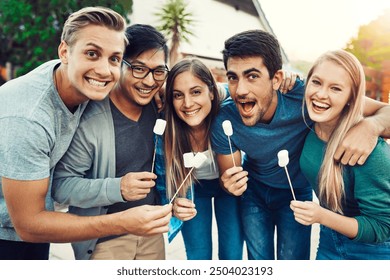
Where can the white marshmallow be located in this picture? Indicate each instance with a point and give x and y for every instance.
(283, 158)
(159, 127)
(188, 160)
(227, 127)
(199, 159)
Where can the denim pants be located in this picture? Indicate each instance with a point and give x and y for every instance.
(335, 246)
(197, 232)
(264, 209)
(20, 250)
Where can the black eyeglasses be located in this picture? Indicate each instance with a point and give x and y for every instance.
(140, 71)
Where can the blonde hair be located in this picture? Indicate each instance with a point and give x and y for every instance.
(177, 134)
(92, 15)
(330, 177)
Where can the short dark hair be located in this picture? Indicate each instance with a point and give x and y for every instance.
(143, 37)
(255, 43)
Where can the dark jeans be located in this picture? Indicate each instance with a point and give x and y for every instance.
(197, 232)
(19, 250)
(263, 210)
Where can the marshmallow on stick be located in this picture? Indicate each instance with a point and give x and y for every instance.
(283, 160)
(158, 129)
(194, 162)
(159, 126)
(188, 160)
(228, 130)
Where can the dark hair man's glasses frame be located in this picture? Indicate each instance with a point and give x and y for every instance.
(141, 71)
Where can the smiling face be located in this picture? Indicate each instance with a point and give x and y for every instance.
(191, 99)
(251, 88)
(139, 91)
(327, 93)
(92, 63)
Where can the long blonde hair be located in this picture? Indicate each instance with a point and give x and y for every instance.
(330, 177)
(177, 134)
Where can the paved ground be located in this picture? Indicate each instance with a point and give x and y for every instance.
(174, 250)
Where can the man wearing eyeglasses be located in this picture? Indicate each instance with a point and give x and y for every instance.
(107, 168)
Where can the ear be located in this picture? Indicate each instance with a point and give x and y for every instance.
(277, 79)
(63, 50)
(211, 95)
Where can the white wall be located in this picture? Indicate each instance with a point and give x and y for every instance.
(215, 22)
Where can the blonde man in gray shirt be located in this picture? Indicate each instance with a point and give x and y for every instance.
(40, 113)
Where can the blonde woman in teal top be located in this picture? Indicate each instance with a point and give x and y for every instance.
(354, 210)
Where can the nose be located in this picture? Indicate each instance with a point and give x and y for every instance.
(241, 88)
(188, 102)
(103, 69)
(322, 93)
(149, 80)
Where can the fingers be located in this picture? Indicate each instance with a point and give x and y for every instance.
(286, 82)
(350, 156)
(146, 220)
(362, 159)
(184, 209)
(160, 219)
(235, 180)
(357, 145)
(304, 212)
(294, 77)
(137, 185)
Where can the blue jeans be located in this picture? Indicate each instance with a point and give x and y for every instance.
(263, 210)
(197, 232)
(335, 246)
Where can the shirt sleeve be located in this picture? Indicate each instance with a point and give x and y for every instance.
(372, 192)
(25, 149)
(74, 183)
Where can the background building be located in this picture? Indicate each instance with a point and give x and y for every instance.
(215, 21)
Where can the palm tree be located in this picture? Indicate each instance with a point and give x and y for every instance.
(175, 24)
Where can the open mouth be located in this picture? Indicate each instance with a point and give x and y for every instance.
(319, 106)
(96, 83)
(246, 107)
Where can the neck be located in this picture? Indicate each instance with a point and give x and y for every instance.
(323, 131)
(66, 92)
(268, 116)
(127, 107)
(198, 138)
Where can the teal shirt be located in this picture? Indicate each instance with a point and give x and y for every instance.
(367, 188)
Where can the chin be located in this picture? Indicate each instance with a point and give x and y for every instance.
(98, 97)
(249, 122)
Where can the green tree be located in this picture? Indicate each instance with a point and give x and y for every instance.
(372, 44)
(176, 22)
(30, 31)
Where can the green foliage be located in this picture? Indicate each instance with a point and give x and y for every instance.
(175, 24)
(174, 18)
(30, 31)
(372, 44)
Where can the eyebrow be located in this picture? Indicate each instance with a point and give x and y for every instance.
(339, 84)
(251, 70)
(144, 64)
(245, 72)
(101, 49)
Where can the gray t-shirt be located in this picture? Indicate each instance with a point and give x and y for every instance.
(36, 130)
(134, 149)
